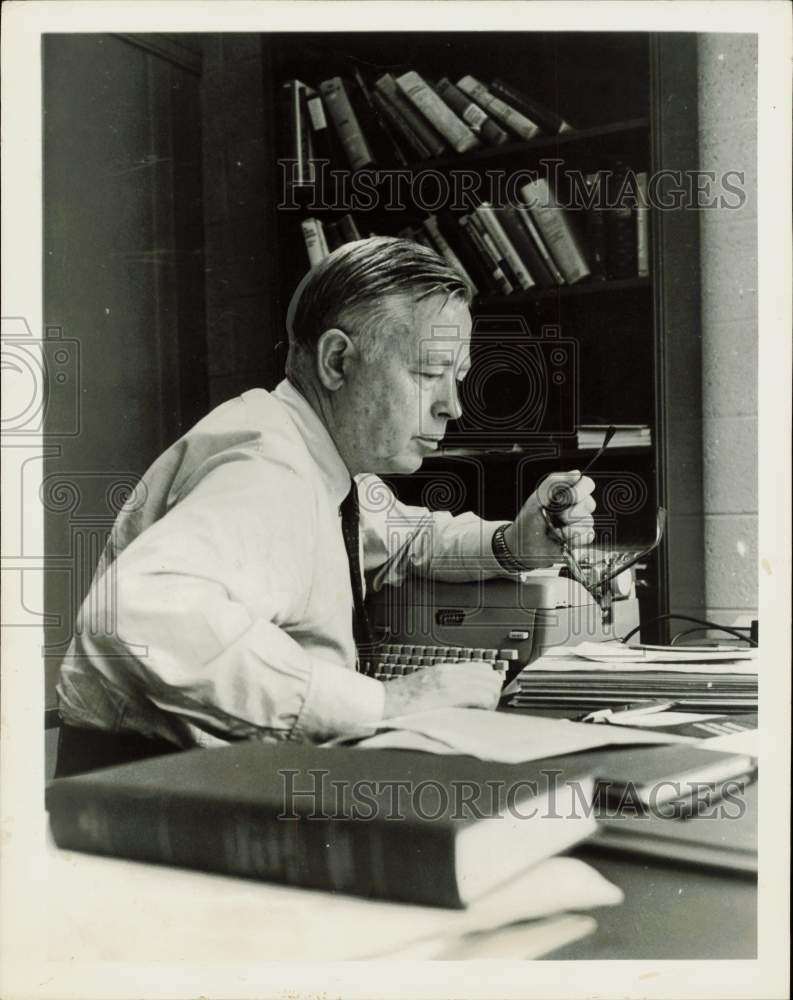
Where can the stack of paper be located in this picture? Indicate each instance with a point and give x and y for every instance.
(610, 674)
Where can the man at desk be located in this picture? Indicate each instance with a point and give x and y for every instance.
(233, 570)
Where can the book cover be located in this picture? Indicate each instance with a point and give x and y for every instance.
(524, 245)
(348, 228)
(443, 247)
(296, 144)
(325, 143)
(399, 126)
(538, 242)
(333, 236)
(387, 86)
(480, 123)
(314, 237)
(387, 149)
(549, 121)
(621, 228)
(498, 283)
(508, 282)
(556, 230)
(596, 228)
(374, 823)
(642, 227)
(522, 126)
(492, 224)
(450, 227)
(346, 124)
(454, 130)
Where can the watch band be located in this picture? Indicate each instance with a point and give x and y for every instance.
(501, 551)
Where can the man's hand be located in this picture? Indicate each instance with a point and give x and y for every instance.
(460, 685)
(568, 499)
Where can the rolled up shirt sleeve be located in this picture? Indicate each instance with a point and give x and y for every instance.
(209, 617)
(400, 539)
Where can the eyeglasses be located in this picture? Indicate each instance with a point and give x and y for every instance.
(596, 575)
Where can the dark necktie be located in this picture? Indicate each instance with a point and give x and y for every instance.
(361, 629)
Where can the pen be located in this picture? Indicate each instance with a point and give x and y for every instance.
(635, 708)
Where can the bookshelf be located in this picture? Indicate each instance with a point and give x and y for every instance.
(631, 99)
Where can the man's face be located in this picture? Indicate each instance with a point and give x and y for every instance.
(398, 401)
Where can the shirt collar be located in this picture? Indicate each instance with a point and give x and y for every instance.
(318, 441)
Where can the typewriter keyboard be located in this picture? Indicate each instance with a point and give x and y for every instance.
(398, 660)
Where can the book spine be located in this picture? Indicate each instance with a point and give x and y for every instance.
(517, 235)
(642, 227)
(417, 236)
(362, 858)
(392, 148)
(400, 126)
(461, 244)
(314, 236)
(293, 94)
(556, 230)
(387, 86)
(348, 229)
(320, 128)
(488, 251)
(456, 132)
(534, 235)
(480, 123)
(492, 224)
(621, 233)
(333, 236)
(346, 123)
(596, 229)
(443, 247)
(547, 119)
(523, 127)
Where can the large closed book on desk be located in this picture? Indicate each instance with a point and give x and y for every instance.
(390, 824)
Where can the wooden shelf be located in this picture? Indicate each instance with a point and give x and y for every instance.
(501, 454)
(563, 142)
(583, 288)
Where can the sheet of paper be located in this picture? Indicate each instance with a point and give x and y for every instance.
(651, 720)
(606, 652)
(748, 743)
(501, 736)
(558, 663)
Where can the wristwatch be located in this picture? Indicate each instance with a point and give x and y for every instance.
(501, 551)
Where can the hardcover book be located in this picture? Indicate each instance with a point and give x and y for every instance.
(416, 827)
(345, 121)
(556, 230)
(477, 120)
(549, 121)
(386, 85)
(454, 130)
(492, 223)
(522, 126)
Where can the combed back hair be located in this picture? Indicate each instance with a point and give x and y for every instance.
(348, 287)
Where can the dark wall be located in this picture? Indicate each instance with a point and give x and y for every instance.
(123, 287)
(240, 235)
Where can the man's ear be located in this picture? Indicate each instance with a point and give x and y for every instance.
(335, 350)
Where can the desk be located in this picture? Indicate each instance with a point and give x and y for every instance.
(670, 912)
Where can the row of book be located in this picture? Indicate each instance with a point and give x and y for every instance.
(531, 244)
(404, 119)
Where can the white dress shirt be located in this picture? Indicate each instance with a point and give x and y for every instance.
(221, 607)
